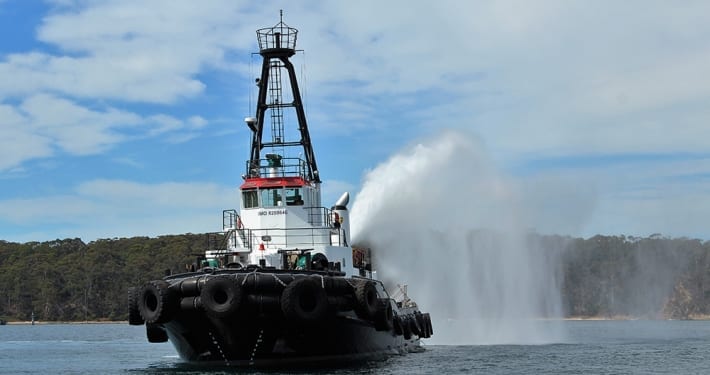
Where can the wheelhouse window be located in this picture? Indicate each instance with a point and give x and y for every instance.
(271, 197)
(250, 199)
(294, 197)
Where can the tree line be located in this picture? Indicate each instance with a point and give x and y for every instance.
(69, 280)
(602, 276)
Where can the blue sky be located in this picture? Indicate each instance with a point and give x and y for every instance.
(124, 118)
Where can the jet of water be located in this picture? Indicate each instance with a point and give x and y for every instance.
(439, 217)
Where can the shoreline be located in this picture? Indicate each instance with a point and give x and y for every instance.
(569, 318)
(44, 323)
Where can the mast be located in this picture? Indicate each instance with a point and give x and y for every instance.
(276, 45)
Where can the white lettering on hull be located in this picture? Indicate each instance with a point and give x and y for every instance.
(273, 212)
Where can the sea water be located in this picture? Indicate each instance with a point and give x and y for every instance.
(591, 347)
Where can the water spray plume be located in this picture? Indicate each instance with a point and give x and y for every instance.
(440, 218)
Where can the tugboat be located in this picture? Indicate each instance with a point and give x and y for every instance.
(281, 283)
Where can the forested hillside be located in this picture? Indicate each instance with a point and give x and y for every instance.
(69, 280)
(603, 276)
(651, 277)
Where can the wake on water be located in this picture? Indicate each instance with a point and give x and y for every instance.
(440, 218)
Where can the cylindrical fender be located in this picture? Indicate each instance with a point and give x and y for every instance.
(191, 303)
(191, 287)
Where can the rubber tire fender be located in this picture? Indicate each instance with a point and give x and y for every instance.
(134, 313)
(304, 300)
(397, 325)
(221, 296)
(366, 301)
(421, 322)
(406, 328)
(415, 327)
(156, 302)
(429, 326)
(384, 315)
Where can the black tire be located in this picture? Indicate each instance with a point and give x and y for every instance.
(406, 328)
(421, 322)
(338, 286)
(155, 333)
(305, 301)
(366, 301)
(415, 327)
(221, 296)
(430, 327)
(156, 302)
(397, 326)
(384, 315)
(134, 313)
(319, 262)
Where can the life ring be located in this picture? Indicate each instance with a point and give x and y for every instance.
(155, 333)
(384, 315)
(304, 300)
(134, 313)
(221, 297)
(366, 300)
(156, 302)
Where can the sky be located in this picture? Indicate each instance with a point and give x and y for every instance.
(125, 118)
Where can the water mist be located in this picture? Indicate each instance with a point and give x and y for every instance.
(441, 219)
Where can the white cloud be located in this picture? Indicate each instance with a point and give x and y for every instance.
(42, 124)
(127, 50)
(17, 142)
(533, 79)
(75, 129)
(508, 68)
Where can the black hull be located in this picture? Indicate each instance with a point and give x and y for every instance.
(262, 330)
(269, 342)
